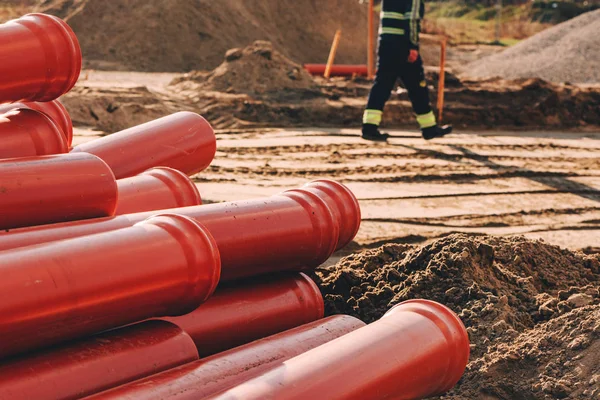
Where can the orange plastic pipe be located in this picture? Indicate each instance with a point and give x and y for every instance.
(332, 52)
(53, 109)
(53, 293)
(442, 80)
(25, 133)
(210, 375)
(41, 59)
(337, 70)
(293, 230)
(418, 349)
(184, 141)
(97, 363)
(370, 41)
(158, 188)
(49, 189)
(251, 310)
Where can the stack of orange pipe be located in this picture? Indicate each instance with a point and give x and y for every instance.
(110, 263)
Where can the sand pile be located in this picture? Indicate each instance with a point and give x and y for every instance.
(528, 307)
(568, 52)
(185, 35)
(256, 70)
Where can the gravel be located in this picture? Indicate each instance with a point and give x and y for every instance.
(568, 52)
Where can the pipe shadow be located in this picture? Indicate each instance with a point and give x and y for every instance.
(556, 182)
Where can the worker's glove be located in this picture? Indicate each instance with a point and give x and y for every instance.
(413, 55)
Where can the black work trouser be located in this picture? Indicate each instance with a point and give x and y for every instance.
(392, 63)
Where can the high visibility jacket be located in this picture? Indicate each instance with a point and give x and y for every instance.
(403, 18)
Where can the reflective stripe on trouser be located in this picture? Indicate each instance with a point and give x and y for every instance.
(372, 117)
(391, 31)
(395, 15)
(426, 120)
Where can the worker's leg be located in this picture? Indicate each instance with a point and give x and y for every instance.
(413, 77)
(388, 64)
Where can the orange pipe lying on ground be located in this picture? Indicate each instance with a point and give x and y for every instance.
(294, 230)
(184, 141)
(224, 370)
(97, 363)
(53, 109)
(41, 59)
(251, 310)
(57, 292)
(337, 70)
(158, 188)
(26, 133)
(417, 349)
(49, 189)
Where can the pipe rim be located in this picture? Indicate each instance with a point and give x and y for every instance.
(46, 136)
(57, 113)
(185, 191)
(200, 250)
(347, 208)
(313, 295)
(323, 220)
(455, 333)
(70, 46)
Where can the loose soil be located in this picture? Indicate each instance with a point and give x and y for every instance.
(568, 52)
(532, 310)
(257, 70)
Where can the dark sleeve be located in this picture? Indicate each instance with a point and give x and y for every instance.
(413, 34)
(417, 9)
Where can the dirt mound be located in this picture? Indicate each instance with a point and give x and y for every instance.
(557, 359)
(185, 35)
(509, 292)
(112, 110)
(568, 52)
(256, 70)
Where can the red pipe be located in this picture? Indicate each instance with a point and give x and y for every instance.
(97, 363)
(251, 310)
(53, 293)
(49, 189)
(337, 70)
(184, 141)
(41, 59)
(53, 109)
(297, 229)
(28, 133)
(158, 188)
(210, 375)
(418, 349)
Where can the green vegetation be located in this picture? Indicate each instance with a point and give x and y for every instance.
(468, 21)
(546, 11)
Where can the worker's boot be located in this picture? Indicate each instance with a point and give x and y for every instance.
(371, 132)
(436, 131)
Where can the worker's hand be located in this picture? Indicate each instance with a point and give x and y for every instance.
(413, 55)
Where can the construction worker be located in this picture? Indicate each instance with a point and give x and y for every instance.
(398, 57)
